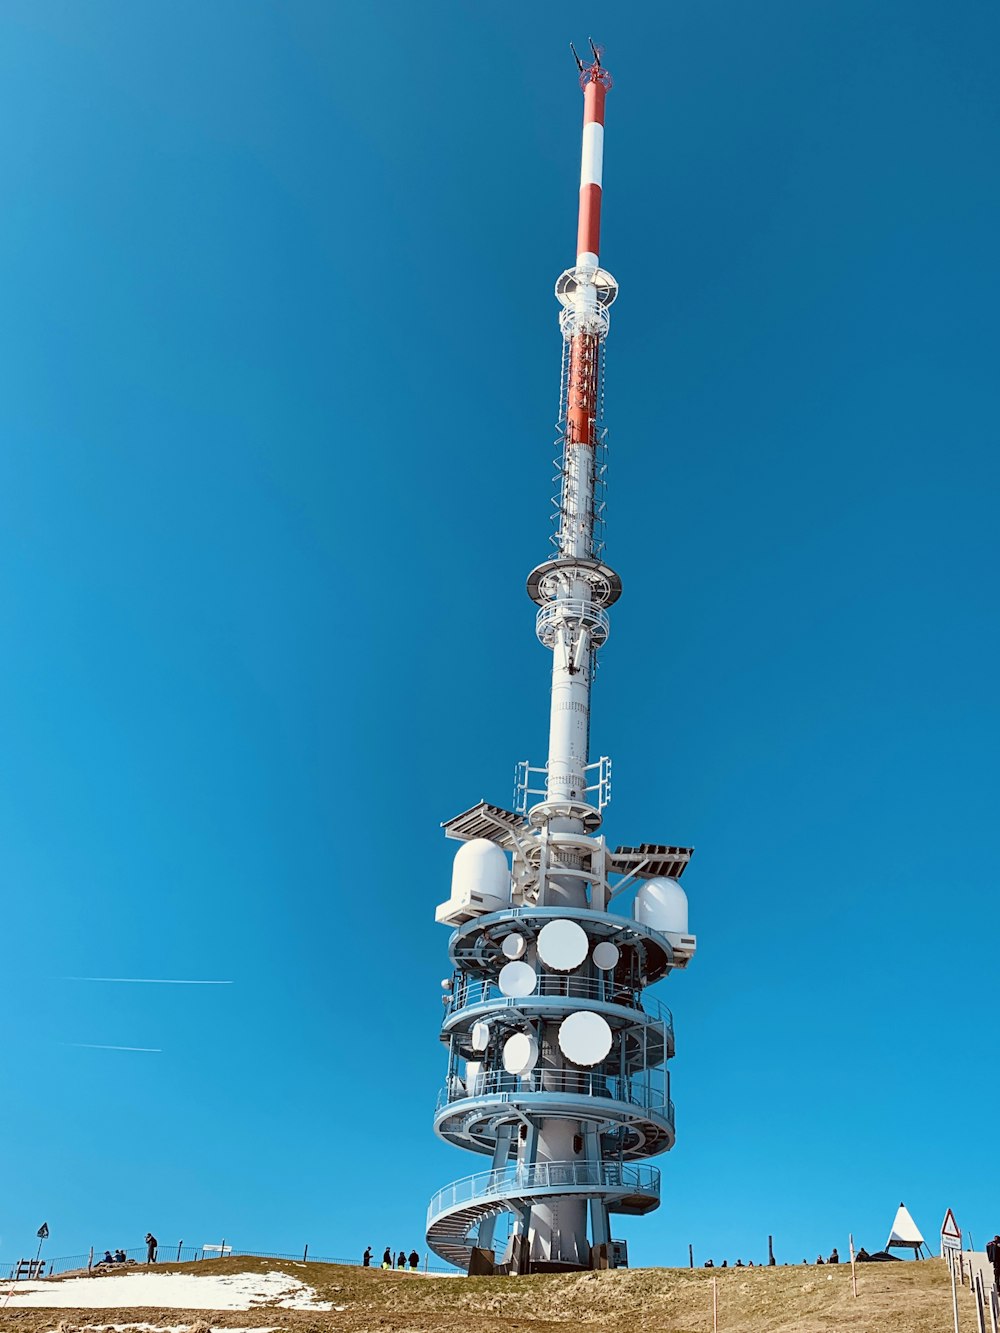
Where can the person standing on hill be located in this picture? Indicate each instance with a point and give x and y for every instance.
(414, 1261)
(367, 1259)
(387, 1258)
(993, 1254)
(150, 1248)
(401, 1259)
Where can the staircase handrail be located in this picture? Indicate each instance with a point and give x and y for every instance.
(514, 1179)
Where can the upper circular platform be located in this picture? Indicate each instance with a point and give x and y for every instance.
(568, 285)
(547, 581)
(478, 945)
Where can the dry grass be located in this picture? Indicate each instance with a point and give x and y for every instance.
(892, 1298)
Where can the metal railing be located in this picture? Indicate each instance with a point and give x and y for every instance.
(514, 1180)
(181, 1253)
(469, 991)
(552, 616)
(641, 1091)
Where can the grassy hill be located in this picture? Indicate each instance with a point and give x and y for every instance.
(892, 1298)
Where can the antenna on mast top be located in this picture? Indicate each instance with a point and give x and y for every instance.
(594, 72)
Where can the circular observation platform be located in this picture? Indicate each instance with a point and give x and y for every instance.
(459, 1207)
(645, 954)
(572, 280)
(646, 1031)
(551, 580)
(640, 1114)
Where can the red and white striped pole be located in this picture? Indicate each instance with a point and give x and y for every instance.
(588, 236)
(585, 351)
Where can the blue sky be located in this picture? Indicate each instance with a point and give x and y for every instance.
(280, 366)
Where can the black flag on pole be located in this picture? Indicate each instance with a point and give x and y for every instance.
(43, 1231)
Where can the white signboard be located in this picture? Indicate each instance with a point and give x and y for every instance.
(951, 1235)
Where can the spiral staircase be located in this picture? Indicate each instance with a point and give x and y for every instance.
(461, 1206)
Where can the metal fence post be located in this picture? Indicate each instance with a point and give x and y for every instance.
(980, 1313)
(305, 1254)
(954, 1291)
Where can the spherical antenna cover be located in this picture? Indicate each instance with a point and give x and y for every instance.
(662, 905)
(514, 945)
(480, 1036)
(480, 867)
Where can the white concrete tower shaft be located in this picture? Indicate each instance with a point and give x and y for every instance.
(585, 292)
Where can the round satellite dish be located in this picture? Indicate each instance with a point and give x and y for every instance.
(562, 945)
(514, 946)
(517, 980)
(520, 1054)
(480, 1036)
(584, 1038)
(606, 955)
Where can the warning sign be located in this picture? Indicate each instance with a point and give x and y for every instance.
(951, 1235)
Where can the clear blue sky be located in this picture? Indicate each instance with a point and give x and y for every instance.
(280, 362)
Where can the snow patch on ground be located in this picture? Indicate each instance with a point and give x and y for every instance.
(153, 1328)
(166, 1291)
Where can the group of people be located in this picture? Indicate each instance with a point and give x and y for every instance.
(119, 1257)
(833, 1259)
(710, 1263)
(403, 1260)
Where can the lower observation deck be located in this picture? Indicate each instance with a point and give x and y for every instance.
(471, 998)
(470, 1117)
(456, 1209)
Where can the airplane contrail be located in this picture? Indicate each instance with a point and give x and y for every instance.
(152, 981)
(97, 1046)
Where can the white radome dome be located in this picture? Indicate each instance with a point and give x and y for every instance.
(662, 905)
(480, 866)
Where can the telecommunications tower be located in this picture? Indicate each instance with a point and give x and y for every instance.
(556, 1055)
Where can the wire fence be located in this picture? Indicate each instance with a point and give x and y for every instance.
(94, 1261)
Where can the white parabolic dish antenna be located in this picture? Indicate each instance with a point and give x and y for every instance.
(562, 945)
(480, 1036)
(584, 1038)
(517, 980)
(514, 945)
(606, 955)
(520, 1053)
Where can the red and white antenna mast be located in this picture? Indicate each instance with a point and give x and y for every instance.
(575, 589)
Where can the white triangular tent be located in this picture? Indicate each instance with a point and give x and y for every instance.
(905, 1235)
